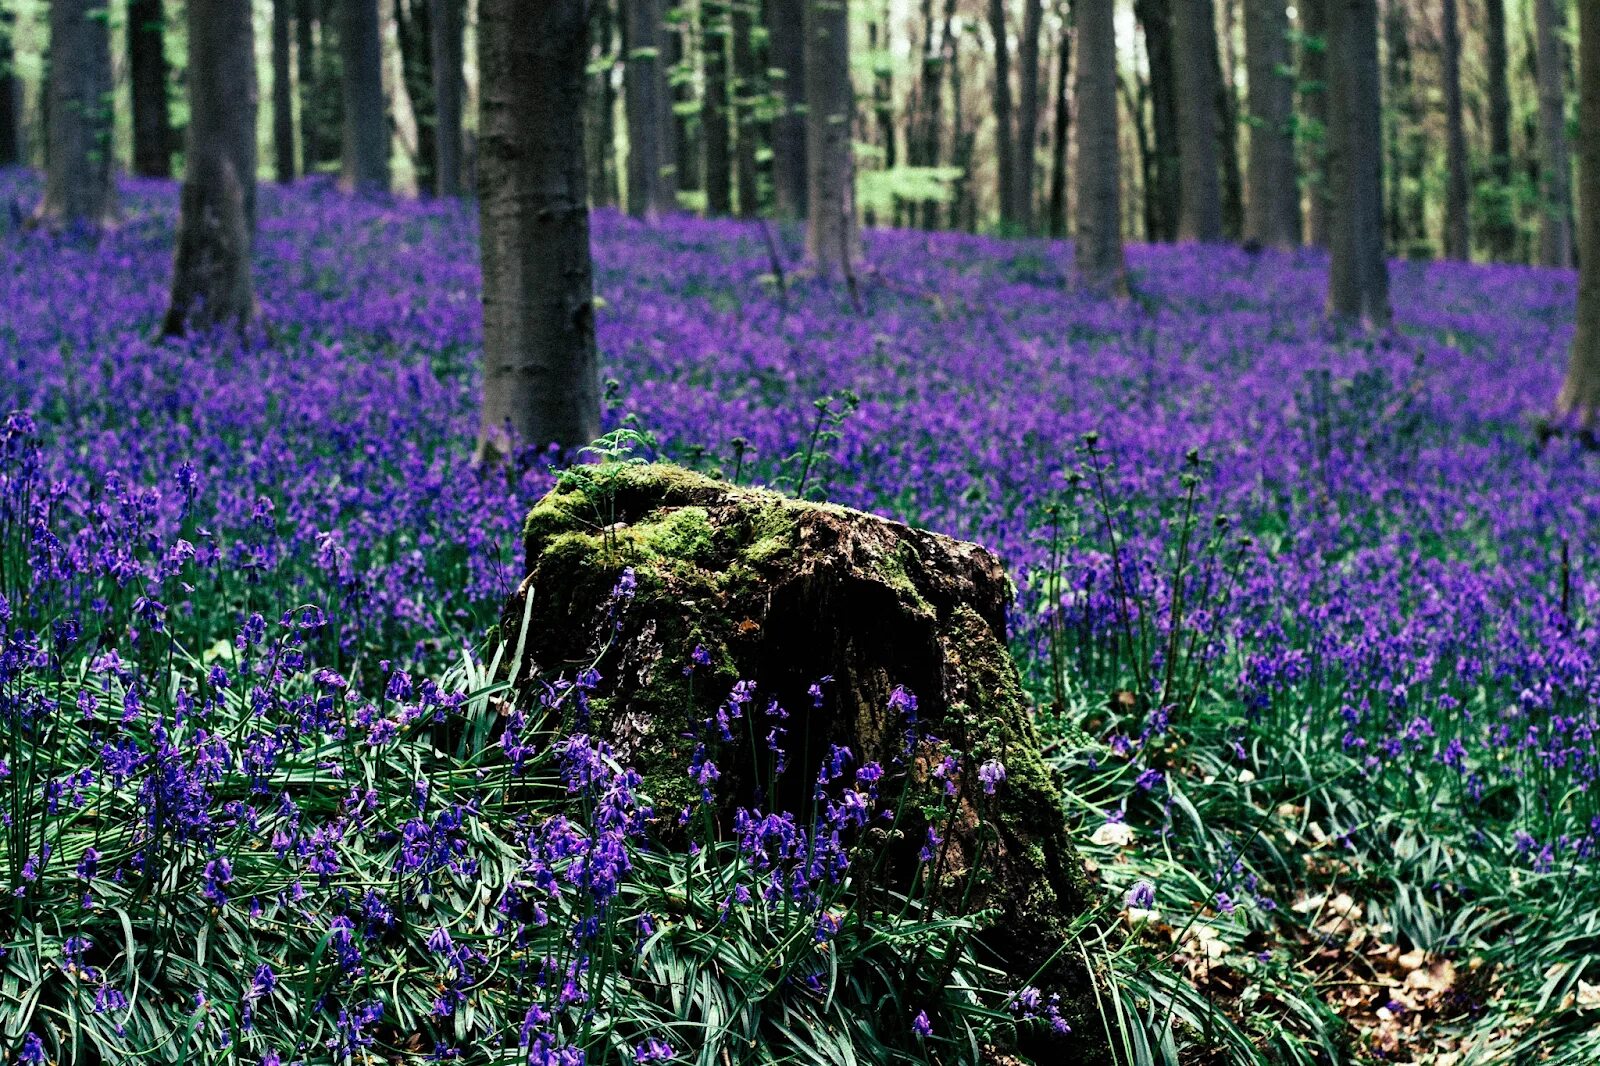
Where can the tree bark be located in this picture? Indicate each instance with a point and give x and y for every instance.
(414, 34)
(447, 18)
(786, 50)
(1195, 61)
(10, 94)
(681, 139)
(1407, 208)
(1555, 227)
(541, 378)
(147, 80)
(832, 239)
(650, 191)
(1272, 216)
(282, 92)
(1027, 113)
(1005, 148)
(600, 131)
(746, 88)
(1228, 128)
(366, 123)
(79, 187)
(1358, 276)
(1063, 129)
(1501, 231)
(1314, 102)
(1580, 392)
(1099, 210)
(714, 108)
(1166, 195)
(312, 137)
(1457, 237)
(211, 283)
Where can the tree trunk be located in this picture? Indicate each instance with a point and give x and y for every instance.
(541, 377)
(1457, 238)
(1358, 276)
(1195, 61)
(1228, 129)
(79, 186)
(446, 19)
(1501, 231)
(414, 33)
(211, 283)
(282, 92)
(312, 137)
(147, 81)
(1314, 102)
(714, 108)
(1580, 392)
(1027, 113)
(786, 49)
(832, 241)
(10, 95)
(1273, 212)
(600, 132)
(1166, 194)
(650, 191)
(746, 89)
(1555, 229)
(1407, 206)
(679, 137)
(1099, 210)
(1005, 146)
(366, 123)
(1058, 143)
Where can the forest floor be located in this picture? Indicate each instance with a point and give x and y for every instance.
(1309, 619)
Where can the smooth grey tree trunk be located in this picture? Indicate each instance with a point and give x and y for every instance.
(1358, 274)
(1457, 236)
(1098, 249)
(1005, 134)
(305, 55)
(1579, 399)
(448, 90)
(366, 122)
(211, 282)
(541, 380)
(1314, 103)
(282, 92)
(1062, 130)
(1195, 65)
(1166, 197)
(1228, 127)
(1555, 223)
(11, 151)
(832, 238)
(1272, 212)
(147, 83)
(786, 61)
(718, 146)
(746, 88)
(1501, 230)
(1027, 113)
(651, 192)
(79, 187)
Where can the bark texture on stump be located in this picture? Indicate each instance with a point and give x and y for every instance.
(78, 185)
(211, 283)
(783, 593)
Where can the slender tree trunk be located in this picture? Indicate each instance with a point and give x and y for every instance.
(147, 78)
(1228, 128)
(650, 191)
(681, 139)
(1358, 281)
(1166, 197)
(1027, 113)
(447, 18)
(714, 108)
(746, 88)
(1314, 103)
(1135, 98)
(832, 240)
(1273, 212)
(1501, 232)
(1580, 392)
(366, 123)
(1457, 239)
(1099, 211)
(1407, 208)
(541, 376)
(282, 92)
(1555, 229)
(1200, 205)
(79, 187)
(10, 94)
(1005, 148)
(211, 282)
(414, 33)
(600, 132)
(786, 48)
(1058, 143)
(305, 54)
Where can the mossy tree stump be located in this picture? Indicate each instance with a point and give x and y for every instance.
(784, 593)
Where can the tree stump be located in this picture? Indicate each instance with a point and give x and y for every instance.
(785, 592)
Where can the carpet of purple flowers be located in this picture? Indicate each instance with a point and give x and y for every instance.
(1308, 617)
